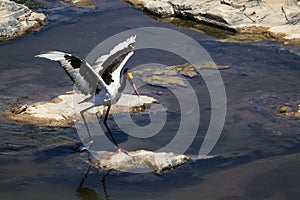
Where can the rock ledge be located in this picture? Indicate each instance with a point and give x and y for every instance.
(17, 20)
(274, 19)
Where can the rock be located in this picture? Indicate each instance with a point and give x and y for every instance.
(187, 70)
(64, 109)
(139, 160)
(164, 81)
(287, 34)
(286, 110)
(160, 76)
(81, 3)
(170, 75)
(17, 20)
(279, 19)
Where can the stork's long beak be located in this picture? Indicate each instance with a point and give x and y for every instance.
(129, 76)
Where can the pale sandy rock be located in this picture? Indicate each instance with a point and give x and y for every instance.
(290, 34)
(236, 16)
(139, 161)
(17, 20)
(64, 109)
(268, 12)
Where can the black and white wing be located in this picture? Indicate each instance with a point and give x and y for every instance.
(86, 82)
(110, 65)
(105, 70)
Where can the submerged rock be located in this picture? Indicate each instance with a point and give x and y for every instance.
(289, 111)
(64, 109)
(278, 19)
(140, 160)
(17, 20)
(276, 113)
(164, 81)
(171, 75)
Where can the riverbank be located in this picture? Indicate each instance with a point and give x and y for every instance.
(225, 20)
(276, 20)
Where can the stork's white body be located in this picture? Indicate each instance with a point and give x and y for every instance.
(102, 80)
(107, 93)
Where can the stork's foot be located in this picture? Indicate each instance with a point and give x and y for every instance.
(87, 147)
(119, 150)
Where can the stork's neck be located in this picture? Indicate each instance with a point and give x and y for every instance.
(123, 84)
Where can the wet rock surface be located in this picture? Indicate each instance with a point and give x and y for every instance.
(288, 110)
(140, 160)
(175, 75)
(64, 109)
(278, 19)
(17, 20)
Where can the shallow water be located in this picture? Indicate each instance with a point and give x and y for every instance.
(44, 162)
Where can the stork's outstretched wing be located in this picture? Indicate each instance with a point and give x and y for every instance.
(106, 68)
(80, 72)
(110, 65)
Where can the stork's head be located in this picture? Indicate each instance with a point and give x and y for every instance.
(129, 77)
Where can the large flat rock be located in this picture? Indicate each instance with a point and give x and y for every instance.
(64, 109)
(17, 20)
(139, 161)
(275, 19)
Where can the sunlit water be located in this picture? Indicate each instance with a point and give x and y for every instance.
(44, 162)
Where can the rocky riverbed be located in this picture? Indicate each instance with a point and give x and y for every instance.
(273, 19)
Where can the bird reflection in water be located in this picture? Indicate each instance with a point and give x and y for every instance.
(86, 193)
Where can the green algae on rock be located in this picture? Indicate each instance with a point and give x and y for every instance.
(173, 75)
(164, 81)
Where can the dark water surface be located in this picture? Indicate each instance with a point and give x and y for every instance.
(257, 156)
